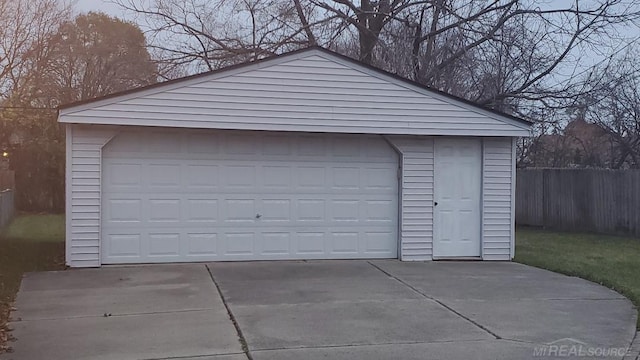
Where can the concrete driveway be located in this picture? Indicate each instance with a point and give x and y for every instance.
(317, 310)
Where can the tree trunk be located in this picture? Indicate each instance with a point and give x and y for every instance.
(305, 23)
(367, 43)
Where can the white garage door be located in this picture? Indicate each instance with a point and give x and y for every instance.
(173, 196)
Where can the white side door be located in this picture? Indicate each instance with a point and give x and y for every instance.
(457, 193)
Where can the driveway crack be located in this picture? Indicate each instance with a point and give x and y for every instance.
(108, 315)
(333, 346)
(243, 340)
(459, 314)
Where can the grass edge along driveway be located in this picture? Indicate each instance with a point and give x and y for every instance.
(611, 261)
(30, 243)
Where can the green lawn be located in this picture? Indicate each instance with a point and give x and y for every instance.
(612, 261)
(39, 228)
(30, 243)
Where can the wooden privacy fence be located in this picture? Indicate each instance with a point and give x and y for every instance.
(7, 207)
(593, 200)
(7, 180)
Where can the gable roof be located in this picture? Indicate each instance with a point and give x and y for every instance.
(336, 86)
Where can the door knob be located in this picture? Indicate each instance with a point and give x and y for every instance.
(258, 216)
(435, 203)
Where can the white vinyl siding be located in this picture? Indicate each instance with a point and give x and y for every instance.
(83, 195)
(416, 196)
(497, 214)
(416, 209)
(311, 92)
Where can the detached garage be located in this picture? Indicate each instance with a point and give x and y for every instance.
(307, 155)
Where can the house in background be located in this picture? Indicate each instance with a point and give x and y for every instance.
(581, 144)
(307, 155)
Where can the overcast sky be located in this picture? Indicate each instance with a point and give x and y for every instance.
(110, 8)
(99, 5)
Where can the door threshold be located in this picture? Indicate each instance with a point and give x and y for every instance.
(457, 258)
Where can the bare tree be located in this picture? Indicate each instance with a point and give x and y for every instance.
(25, 28)
(205, 35)
(615, 108)
(311, 38)
(500, 53)
(369, 18)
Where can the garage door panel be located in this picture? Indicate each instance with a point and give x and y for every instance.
(276, 145)
(310, 210)
(241, 243)
(377, 211)
(239, 177)
(345, 210)
(163, 210)
(239, 210)
(345, 242)
(310, 243)
(126, 142)
(248, 197)
(200, 177)
(202, 244)
(124, 175)
(311, 178)
(379, 179)
(378, 242)
(376, 153)
(164, 244)
(274, 210)
(240, 144)
(162, 142)
(346, 147)
(122, 245)
(202, 210)
(311, 146)
(275, 244)
(123, 210)
(345, 178)
(276, 177)
(208, 143)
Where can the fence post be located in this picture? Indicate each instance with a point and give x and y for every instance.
(543, 197)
